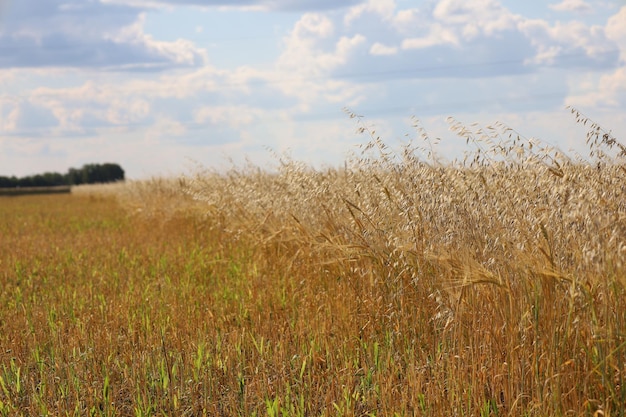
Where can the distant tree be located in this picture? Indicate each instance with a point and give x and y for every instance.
(55, 179)
(74, 176)
(113, 172)
(88, 174)
(25, 182)
(8, 182)
(38, 180)
(95, 173)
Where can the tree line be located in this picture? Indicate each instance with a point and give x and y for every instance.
(88, 174)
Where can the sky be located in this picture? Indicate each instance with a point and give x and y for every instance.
(163, 86)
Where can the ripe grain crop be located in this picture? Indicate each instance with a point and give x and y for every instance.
(396, 285)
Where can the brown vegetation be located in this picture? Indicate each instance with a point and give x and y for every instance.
(60, 189)
(395, 286)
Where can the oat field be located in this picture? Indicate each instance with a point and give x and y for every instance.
(396, 285)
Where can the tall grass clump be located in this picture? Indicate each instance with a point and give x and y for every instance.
(497, 278)
(155, 197)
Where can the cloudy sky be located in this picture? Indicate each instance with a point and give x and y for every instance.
(160, 85)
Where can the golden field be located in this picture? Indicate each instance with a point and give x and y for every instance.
(396, 285)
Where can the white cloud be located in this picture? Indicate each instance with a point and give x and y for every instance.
(180, 51)
(246, 5)
(236, 117)
(473, 17)
(90, 106)
(439, 35)
(560, 42)
(304, 53)
(88, 34)
(314, 24)
(381, 49)
(123, 112)
(609, 92)
(406, 20)
(609, 89)
(579, 6)
(303, 69)
(616, 31)
(485, 29)
(165, 128)
(382, 8)
(9, 115)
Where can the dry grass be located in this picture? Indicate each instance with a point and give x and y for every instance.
(395, 286)
(59, 189)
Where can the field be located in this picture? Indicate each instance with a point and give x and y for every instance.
(395, 285)
(34, 190)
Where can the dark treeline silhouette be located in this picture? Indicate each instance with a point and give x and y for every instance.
(88, 174)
